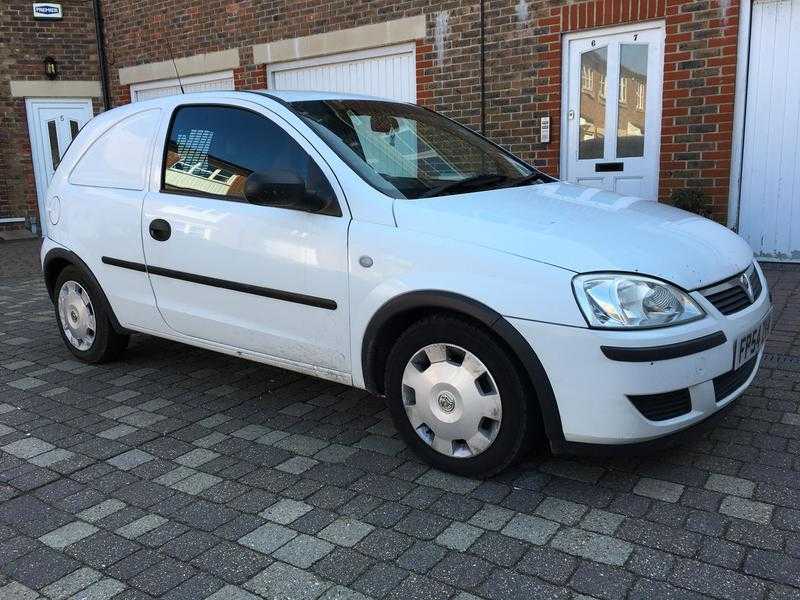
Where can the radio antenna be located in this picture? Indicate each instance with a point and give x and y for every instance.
(174, 66)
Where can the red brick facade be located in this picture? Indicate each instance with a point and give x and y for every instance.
(523, 54)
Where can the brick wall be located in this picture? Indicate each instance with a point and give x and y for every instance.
(523, 63)
(523, 66)
(24, 44)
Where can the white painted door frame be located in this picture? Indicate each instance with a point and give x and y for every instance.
(39, 151)
(654, 98)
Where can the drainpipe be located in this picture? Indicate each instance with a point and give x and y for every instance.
(483, 67)
(101, 53)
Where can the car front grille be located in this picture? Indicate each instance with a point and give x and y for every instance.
(734, 294)
(727, 383)
(660, 407)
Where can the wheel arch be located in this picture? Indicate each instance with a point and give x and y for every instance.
(394, 316)
(56, 260)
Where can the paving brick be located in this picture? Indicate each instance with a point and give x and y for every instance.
(102, 590)
(141, 526)
(53, 457)
(448, 482)
(267, 538)
(280, 580)
(548, 564)
(531, 529)
(232, 562)
(196, 457)
(384, 544)
(27, 447)
(346, 532)
(380, 580)
(285, 511)
(72, 583)
(491, 517)
(725, 484)
(342, 565)
(422, 524)
(130, 459)
(504, 584)
(231, 592)
(342, 593)
(303, 551)
(601, 581)
(67, 534)
(458, 536)
(773, 565)
(601, 521)
(196, 483)
(758, 512)
(562, 511)
(297, 465)
(594, 546)
(666, 491)
(716, 581)
(420, 557)
(17, 591)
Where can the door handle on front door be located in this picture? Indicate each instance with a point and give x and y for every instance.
(160, 230)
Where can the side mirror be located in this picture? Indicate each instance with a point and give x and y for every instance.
(282, 189)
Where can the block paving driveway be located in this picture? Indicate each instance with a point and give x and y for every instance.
(179, 473)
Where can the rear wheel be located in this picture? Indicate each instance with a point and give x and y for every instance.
(457, 397)
(82, 319)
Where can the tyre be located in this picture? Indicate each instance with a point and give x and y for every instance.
(457, 397)
(83, 321)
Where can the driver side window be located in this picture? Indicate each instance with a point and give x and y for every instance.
(212, 150)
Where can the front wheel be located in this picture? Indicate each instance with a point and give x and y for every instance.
(457, 397)
(82, 319)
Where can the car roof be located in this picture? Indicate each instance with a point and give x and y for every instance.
(300, 95)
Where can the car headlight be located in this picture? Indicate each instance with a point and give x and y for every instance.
(625, 301)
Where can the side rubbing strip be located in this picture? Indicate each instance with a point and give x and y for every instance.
(244, 288)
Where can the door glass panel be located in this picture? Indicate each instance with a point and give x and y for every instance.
(52, 135)
(592, 130)
(632, 96)
(211, 150)
(74, 127)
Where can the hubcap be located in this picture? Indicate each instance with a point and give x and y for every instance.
(451, 400)
(77, 316)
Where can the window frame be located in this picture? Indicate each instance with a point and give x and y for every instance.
(334, 210)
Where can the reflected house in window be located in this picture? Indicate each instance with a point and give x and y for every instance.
(631, 102)
(190, 166)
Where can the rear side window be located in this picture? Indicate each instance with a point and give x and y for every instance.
(211, 150)
(119, 157)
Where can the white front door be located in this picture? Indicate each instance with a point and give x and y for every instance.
(52, 124)
(612, 109)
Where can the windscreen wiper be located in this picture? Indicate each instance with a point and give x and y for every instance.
(535, 176)
(465, 184)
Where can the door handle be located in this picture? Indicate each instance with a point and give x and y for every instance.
(160, 230)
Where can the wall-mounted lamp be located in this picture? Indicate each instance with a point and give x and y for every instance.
(50, 67)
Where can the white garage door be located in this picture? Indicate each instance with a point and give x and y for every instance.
(386, 72)
(769, 217)
(222, 80)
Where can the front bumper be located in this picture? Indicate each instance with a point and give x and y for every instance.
(593, 392)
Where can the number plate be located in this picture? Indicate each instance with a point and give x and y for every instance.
(751, 343)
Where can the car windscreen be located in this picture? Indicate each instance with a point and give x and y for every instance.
(409, 152)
